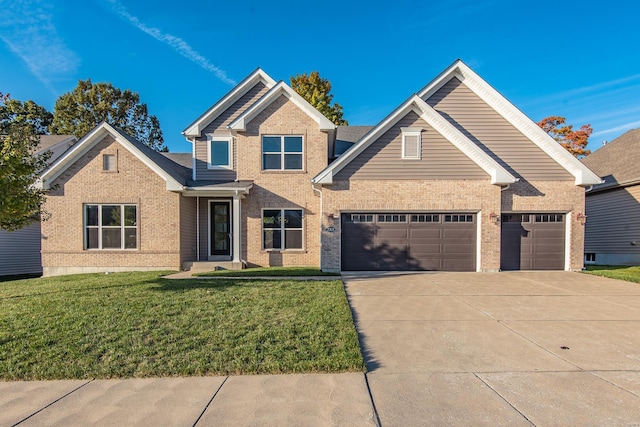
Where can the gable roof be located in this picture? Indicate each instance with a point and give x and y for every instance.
(171, 172)
(498, 174)
(583, 176)
(281, 89)
(617, 162)
(195, 129)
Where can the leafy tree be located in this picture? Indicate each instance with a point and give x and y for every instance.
(20, 201)
(79, 111)
(28, 113)
(575, 141)
(315, 90)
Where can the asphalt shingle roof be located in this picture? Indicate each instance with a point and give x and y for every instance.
(617, 162)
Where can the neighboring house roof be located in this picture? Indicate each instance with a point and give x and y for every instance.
(281, 89)
(583, 176)
(174, 174)
(195, 129)
(617, 162)
(346, 136)
(499, 175)
(49, 141)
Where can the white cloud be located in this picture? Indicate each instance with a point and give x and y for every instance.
(179, 45)
(26, 27)
(619, 128)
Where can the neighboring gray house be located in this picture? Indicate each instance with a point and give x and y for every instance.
(20, 250)
(612, 235)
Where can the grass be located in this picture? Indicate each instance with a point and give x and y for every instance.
(140, 325)
(630, 274)
(268, 271)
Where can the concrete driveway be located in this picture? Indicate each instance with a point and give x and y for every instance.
(521, 348)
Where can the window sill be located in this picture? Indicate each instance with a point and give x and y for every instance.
(112, 250)
(286, 171)
(283, 251)
(219, 168)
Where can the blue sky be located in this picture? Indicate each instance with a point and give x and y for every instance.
(577, 59)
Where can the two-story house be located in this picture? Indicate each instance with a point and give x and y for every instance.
(456, 178)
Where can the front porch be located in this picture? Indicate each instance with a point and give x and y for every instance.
(217, 241)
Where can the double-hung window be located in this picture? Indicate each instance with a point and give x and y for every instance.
(219, 152)
(281, 229)
(281, 152)
(110, 227)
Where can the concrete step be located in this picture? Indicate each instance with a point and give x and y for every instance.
(202, 266)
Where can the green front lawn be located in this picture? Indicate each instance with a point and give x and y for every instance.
(630, 274)
(140, 325)
(268, 271)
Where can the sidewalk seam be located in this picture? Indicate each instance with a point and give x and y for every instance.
(210, 401)
(373, 404)
(52, 403)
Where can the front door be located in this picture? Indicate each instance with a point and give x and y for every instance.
(220, 229)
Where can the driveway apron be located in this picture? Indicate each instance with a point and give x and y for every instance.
(520, 348)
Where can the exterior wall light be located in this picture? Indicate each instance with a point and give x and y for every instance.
(582, 218)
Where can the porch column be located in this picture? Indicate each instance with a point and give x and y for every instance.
(237, 227)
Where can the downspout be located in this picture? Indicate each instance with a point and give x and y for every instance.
(197, 228)
(313, 186)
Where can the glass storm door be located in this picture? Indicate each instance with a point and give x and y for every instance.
(220, 228)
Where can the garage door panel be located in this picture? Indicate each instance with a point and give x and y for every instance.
(459, 233)
(418, 249)
(425, 233)
(393, 233)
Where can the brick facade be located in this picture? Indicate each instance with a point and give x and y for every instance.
(85, 182)
(411, 195)
(281, 189)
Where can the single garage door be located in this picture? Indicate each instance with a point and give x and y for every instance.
(409, 241)
(532, 241)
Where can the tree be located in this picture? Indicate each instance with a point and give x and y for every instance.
(28, 113)
(315, 90)
(20, 200)
(575, 141)
(79, 111)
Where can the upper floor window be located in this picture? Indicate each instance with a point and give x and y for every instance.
(110, 227)
(281, 152)
(219, 153)
(411, 143)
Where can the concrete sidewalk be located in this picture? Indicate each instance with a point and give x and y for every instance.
(254, 400)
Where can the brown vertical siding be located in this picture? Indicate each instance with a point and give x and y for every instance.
(612, 221)
(188, 239)
(494, 134)
(440, 159)
(219, 127)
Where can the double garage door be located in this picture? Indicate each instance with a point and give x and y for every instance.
(409, 241)
(448, 241)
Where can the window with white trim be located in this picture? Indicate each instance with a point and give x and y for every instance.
(110, 227)
(219, 152)
(411, 143)
(282, 229)
(282, 152)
